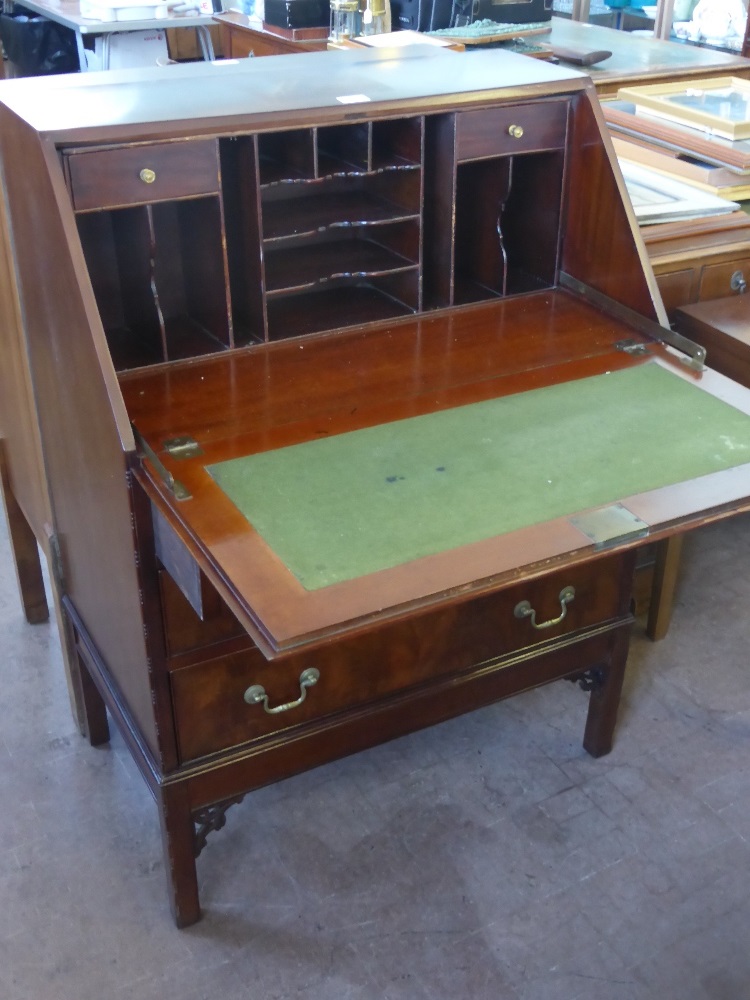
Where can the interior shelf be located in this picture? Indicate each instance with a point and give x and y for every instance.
(331, 308)
(360, 251)
(282, 218)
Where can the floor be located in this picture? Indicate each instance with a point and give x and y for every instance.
(488, 857)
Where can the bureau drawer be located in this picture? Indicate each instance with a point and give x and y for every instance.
(729, 278)
(525, 128)
(132, 175)
(676, 288)
(184, 631)
(211, 712)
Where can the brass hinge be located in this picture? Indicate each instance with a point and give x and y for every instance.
(173, 485)
(182, 447)
(56, 562)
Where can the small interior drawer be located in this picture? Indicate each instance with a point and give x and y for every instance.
(209, 698)
(523, 128)
(132, 175)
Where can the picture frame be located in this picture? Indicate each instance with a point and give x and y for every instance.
(657, 198)
(718, 106)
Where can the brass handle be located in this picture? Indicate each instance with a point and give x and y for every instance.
(147, 175)
(515, 131)
(737, 282)
(256, 693)
(524, 610)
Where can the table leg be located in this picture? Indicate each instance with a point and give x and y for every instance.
(25, 552)
(666, 570)
(82, 61)
(605, 684)
(206, 42)
(178, 840)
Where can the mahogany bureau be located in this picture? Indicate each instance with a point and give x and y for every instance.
(339, 394)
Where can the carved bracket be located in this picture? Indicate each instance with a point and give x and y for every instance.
(209, 819)
(588, 680)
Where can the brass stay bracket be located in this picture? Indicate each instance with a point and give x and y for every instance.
(695, 354)
(174, 486)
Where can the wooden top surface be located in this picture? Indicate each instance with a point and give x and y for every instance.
(235, 94)
(729, 316)
(251, 401)
(635, 57)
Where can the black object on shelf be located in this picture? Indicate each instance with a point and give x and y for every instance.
(36, 46)
(297, 13)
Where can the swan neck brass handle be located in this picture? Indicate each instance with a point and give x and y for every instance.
(524, 609)
(256, 693)
(147, 175)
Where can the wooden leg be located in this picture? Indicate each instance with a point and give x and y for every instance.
(606, 688)
(33, 596)
(178, 839)
(666, 570)
(94, 712)
(25, 554)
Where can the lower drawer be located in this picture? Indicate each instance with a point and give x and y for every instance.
(213, 700)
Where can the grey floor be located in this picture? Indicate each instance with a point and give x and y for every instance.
(486, 858)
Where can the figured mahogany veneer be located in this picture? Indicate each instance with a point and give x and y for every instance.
(257, 254)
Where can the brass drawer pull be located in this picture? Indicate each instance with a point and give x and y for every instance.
(147, 175)
(524, 610)
(515, 131)
(257, 693)
(737, 282)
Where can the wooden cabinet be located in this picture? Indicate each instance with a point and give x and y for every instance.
(700, 259)
(331, 259)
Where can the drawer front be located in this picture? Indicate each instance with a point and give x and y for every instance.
(132, 175)
(676, 289)
(209, 698)
(525, 128)
(183, 629)
(719, 280)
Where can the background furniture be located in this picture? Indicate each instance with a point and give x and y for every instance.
(68, 13)
(634, 59)
(723, 328)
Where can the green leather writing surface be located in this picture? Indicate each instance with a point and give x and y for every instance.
(341, 507)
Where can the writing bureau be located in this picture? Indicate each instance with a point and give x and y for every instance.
(341, 405)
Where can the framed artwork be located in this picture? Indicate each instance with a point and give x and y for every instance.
(719, 106)
(656, 198)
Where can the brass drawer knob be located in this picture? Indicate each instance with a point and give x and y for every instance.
(515, 131)
(737, 282)
(524, 609)
(256, 693)
(147, 175)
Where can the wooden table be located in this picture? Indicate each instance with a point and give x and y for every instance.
(241, 35)
(634, 59)
(723, 328)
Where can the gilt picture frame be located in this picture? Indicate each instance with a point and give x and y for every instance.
(718, 106)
